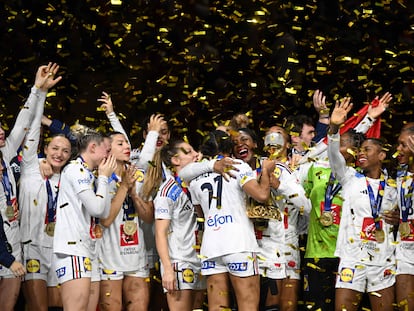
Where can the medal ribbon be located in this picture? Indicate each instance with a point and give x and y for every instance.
(51, 203)
(180, 183)
(376, 204)
(113, 177)
(94, 220)
(331, 190)
(4, 237)
(8, 189)
(406, 200)
(258, 167)
(129, 209)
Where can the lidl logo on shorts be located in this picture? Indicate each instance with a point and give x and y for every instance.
(33, 266)
(108, 272)
(87, 264)
(347, 275)
(188, 275)
(61, 272)
(207, 264)
(237, 266)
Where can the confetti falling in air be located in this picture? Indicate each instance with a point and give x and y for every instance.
(199, 62)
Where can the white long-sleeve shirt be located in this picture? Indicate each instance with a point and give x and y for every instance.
(356, 238)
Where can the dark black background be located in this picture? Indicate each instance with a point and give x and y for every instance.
(199, 62)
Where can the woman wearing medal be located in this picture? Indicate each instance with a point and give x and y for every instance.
(82, 198)
(365, 244)
(9, 284)
(124, 267)
(405, 247)
(38, 201)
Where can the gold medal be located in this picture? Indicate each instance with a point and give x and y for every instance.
(130, 227)
(404, 229)
(98, 231)
(379, 235)
(326, 219)
(50, 228)
(10, 212)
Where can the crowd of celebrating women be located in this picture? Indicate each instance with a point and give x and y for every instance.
(315, 221)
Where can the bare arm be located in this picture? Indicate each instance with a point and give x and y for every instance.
(260, 191)
(169, 280)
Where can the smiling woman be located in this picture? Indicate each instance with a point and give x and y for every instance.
(28, 118)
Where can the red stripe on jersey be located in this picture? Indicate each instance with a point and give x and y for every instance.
(167, 187)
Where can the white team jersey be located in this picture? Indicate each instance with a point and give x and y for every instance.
(172, 203)
(281, 237)
(11, 226)
(405, 246)
(74, 226)
(118, 250)
(227, 229)
(33, 200)
(33, 195)
(356, 239)
(9, 150)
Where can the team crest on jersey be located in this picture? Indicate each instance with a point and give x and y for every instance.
(87, 264)
(61, 272)
(188, 275)
(33, 266)
(128, 240)
(368, 229)
(335, 210)
(347, 275)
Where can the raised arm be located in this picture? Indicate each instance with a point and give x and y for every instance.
(148, 150)
(44, 80)
(374, 112)
(338, 117)
(108, 107)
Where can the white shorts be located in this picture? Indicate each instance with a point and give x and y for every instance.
(404, 267)
(364, 278)
(239, 264)
(6, 273)
(68, 267)
(188, 276)
(279, 271)
(111, 275)
(96, 276)
(39, 260)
